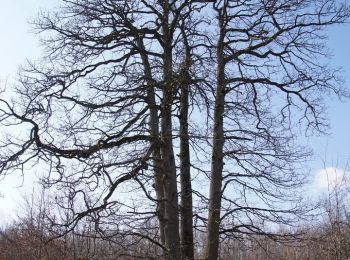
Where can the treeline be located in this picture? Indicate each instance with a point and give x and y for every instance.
(26, 240)
(31, 237)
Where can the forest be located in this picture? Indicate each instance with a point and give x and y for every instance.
(170, 129)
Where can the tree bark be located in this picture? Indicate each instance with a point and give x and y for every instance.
(186, 211)
(172, 239)
(154, 130)
(215, 195)
(171, 230)
(186, 229)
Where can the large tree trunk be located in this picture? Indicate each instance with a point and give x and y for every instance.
(172, 238)
(186, 211)
(154, 131)
(215, 195)
(186, 229)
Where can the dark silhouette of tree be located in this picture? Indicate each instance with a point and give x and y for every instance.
(124, 85)
(269, 79)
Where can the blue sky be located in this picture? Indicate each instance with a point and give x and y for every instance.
(17, 44)
(335, 147)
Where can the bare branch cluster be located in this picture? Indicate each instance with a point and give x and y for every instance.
(138, 105)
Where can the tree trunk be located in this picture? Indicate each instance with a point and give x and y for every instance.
(171, 230)
(154, 130)
(186, 229)
(215, 196)
(172, 240)
(186, 211)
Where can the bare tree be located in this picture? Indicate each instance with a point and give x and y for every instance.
(109, 75)
(120, 90)
(269, 77)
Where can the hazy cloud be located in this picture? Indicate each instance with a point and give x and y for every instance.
(329, 178)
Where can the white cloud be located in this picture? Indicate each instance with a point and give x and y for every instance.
(330, 178)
